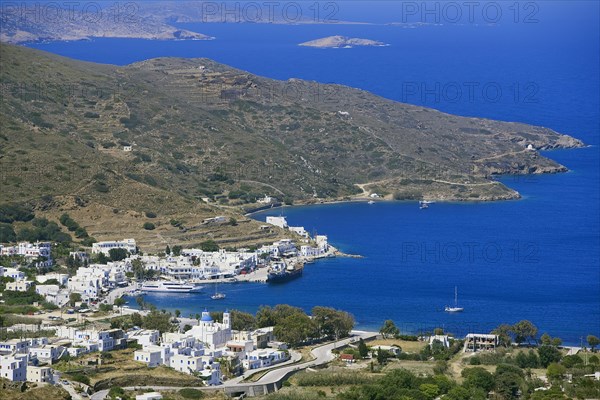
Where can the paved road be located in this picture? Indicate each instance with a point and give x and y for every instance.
(69, 388)
(323, 354)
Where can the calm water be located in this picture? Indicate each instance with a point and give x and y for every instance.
(535, 259)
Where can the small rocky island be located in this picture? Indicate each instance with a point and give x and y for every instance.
(336, 42)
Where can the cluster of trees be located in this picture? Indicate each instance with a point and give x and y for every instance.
(43, 230)
(155, 319)
(522, 331)
(209, 245)
(508, 382)
(176, 250)
(101, 258)
(292, 325)
(79, 231)
(16, 212)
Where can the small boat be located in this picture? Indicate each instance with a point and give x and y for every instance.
(456, 308)
(217, 295)
(371, 202)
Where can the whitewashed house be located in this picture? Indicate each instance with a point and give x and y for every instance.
(39, 374)
(14, 368)
(105, 247)
(277, 221)
(19, 286)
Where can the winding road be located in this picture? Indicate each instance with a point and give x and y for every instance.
(322, 355)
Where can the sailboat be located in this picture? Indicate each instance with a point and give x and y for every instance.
(217, 295)
(456, 308)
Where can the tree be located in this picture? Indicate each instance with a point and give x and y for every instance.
(158, 320)
(382, 356)
(136, 319)
(265, 317)
(138, 268)
(140, 302)
(593, 341)
(507, 385)
(168, 250)
(209, 245)
(332, 323)
(177, 313)
(294, 329)
(149, 226)
(74, 298)
(389, 329)
(478, 378)
(117, 254)
(548, 355)
(555, 371)
(177, 250)
(363, 350)
(7, 233)
(430, 390)
(546, 339)
(524, 330)
(242, 321)
(119, 302)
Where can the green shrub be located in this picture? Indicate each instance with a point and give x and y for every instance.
(188, 393)
(81, 378)
(149, 226)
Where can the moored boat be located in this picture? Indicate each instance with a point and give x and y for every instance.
(280, 272)
(170, 287)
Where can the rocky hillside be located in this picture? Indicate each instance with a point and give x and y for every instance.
(191, 138)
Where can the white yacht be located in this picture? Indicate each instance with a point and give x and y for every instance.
(456, 308)
(170, 287)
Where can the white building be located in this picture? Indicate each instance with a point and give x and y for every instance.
(62, 279)
(88, 282)
(28, 250)
(14, 273)
(443, 339)
(13, 346)
(278, 221)
(266, 200)
(151, 355)
(18, 286)
(213, 334)
(263, 358)
(92, 339)
(144, 337)
(322, 242)
(53, 294)
(299, 230)
(215, 220)
(39, 374)
(105, 247)
(203, 365)
(46, 353)
(480, 342)
(13, 368)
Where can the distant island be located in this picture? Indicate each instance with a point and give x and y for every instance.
(336, 42)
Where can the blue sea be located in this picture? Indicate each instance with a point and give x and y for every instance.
(537, 258)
